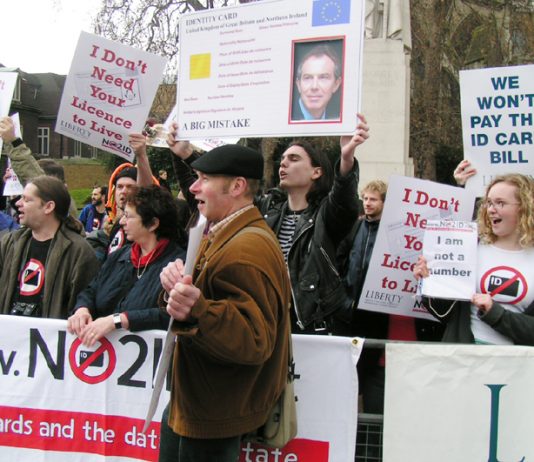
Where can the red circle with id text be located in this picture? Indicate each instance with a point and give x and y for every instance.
(516, 275)
(79, 369)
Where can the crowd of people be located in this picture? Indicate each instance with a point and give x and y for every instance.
(294, 258)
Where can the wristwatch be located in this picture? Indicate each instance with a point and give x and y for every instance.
(17, 142)
(117, 320)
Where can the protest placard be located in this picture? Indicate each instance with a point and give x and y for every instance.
(497, 122)
(277, 68)
(390, 286)
(108, 93)
(450, 249)
(8, 80)
(12, 186)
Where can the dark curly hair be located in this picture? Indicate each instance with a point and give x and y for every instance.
(155, 202)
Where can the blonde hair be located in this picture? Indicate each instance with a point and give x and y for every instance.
(525, 196)
(377, 186)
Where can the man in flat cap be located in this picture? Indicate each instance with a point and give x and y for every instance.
(230, 317)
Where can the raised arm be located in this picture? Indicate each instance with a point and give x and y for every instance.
(349, 143)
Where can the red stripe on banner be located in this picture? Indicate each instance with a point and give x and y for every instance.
(83, 432)
(52, 430)
(297, 450)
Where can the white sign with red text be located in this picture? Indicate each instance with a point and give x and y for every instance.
(61, 401)
(271, 68)
(390, 286)
(108, 93)
(497, 122)
(460, 403)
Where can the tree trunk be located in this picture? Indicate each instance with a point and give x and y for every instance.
(428, 30)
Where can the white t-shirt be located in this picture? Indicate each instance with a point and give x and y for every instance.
(508, 276)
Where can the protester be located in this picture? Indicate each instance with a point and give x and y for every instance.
(318, 79)
(93, 215)
(47, 263)
(163, 181)
(502, 309)
(319, 210)
(354, 255)
(125, 292)
(231, 317)
(124, 177)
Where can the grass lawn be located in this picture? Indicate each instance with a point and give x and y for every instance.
(80, 196)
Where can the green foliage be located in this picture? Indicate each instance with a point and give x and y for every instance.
(81, 197)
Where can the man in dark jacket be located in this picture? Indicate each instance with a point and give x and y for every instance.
(319, 210)
(45, 264)
(353, 258)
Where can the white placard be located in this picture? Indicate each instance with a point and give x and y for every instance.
(205, 145)
(108, 93)
(12, 185)
(8, 80)
(390, 286)
(239, 68)
(450, 249)
(497, 122)
(63, 402)
(460, 403)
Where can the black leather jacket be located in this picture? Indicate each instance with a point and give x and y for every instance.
(316, 285)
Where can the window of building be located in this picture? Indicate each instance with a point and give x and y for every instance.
(94, 152)
(16, 92)
(43, 140)
(77, 149)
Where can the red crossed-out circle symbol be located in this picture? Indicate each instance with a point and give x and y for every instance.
(503, 277)
(32, 278)
(79, 368)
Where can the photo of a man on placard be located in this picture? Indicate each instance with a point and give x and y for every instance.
(318, 77)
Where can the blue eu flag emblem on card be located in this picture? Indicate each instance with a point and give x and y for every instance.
(328, 12)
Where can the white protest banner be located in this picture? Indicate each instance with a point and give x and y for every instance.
(12, 186)
(63, 402)
(497, 122)
(8, 80)
(450, 249)
(108, 93)
(410, 202)
(458, 403)
(271, 68)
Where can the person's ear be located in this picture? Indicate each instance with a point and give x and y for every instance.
(317, 173)
(238, 186)
(336, 85)
(154, 225)
(49, 207)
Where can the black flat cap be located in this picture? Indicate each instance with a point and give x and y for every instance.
(231, 160)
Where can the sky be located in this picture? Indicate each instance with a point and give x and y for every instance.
(41, 35)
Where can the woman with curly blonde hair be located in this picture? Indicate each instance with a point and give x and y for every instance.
(524, 196)
(502, 309)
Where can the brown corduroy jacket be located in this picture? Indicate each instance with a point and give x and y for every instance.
(230, 366)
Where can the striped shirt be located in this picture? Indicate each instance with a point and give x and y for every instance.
(287, 230)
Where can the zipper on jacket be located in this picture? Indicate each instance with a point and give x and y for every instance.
(299, 320)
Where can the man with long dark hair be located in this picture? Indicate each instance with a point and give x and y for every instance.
(46, 263)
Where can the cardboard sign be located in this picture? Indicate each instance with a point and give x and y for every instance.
(278, 68)
(450, 249)
(497, 122)
(108, 94)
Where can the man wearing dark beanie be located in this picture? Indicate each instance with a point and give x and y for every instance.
(231, 317)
